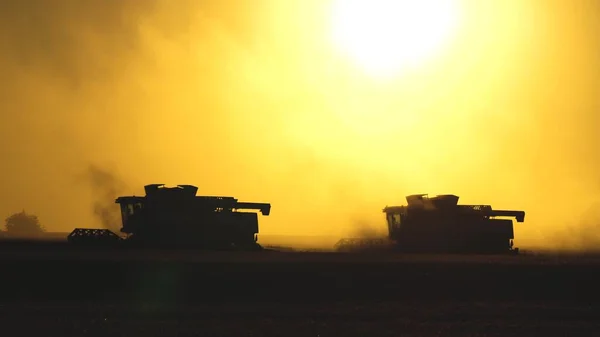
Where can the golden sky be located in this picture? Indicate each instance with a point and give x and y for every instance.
(254, 99)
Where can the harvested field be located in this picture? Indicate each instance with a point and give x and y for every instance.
(144, 293)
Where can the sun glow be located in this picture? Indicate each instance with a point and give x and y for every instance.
(386, 36)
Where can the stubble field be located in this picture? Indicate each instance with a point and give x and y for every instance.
(54, 290)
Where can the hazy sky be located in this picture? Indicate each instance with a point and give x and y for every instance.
(248, 98)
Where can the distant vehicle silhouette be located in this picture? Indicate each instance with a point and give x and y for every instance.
(177, 218)
(440, 225)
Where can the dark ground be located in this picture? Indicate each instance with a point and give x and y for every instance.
(52, 291)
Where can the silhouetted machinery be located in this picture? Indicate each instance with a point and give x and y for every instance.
(175, 217)
(440, 225)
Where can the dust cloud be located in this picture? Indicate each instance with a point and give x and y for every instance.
(582, 234)
(248, 99)
(105, 185)
(362, 228)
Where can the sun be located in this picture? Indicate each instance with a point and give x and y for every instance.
(386, 36)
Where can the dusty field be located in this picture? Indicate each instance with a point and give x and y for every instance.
(54, 291)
